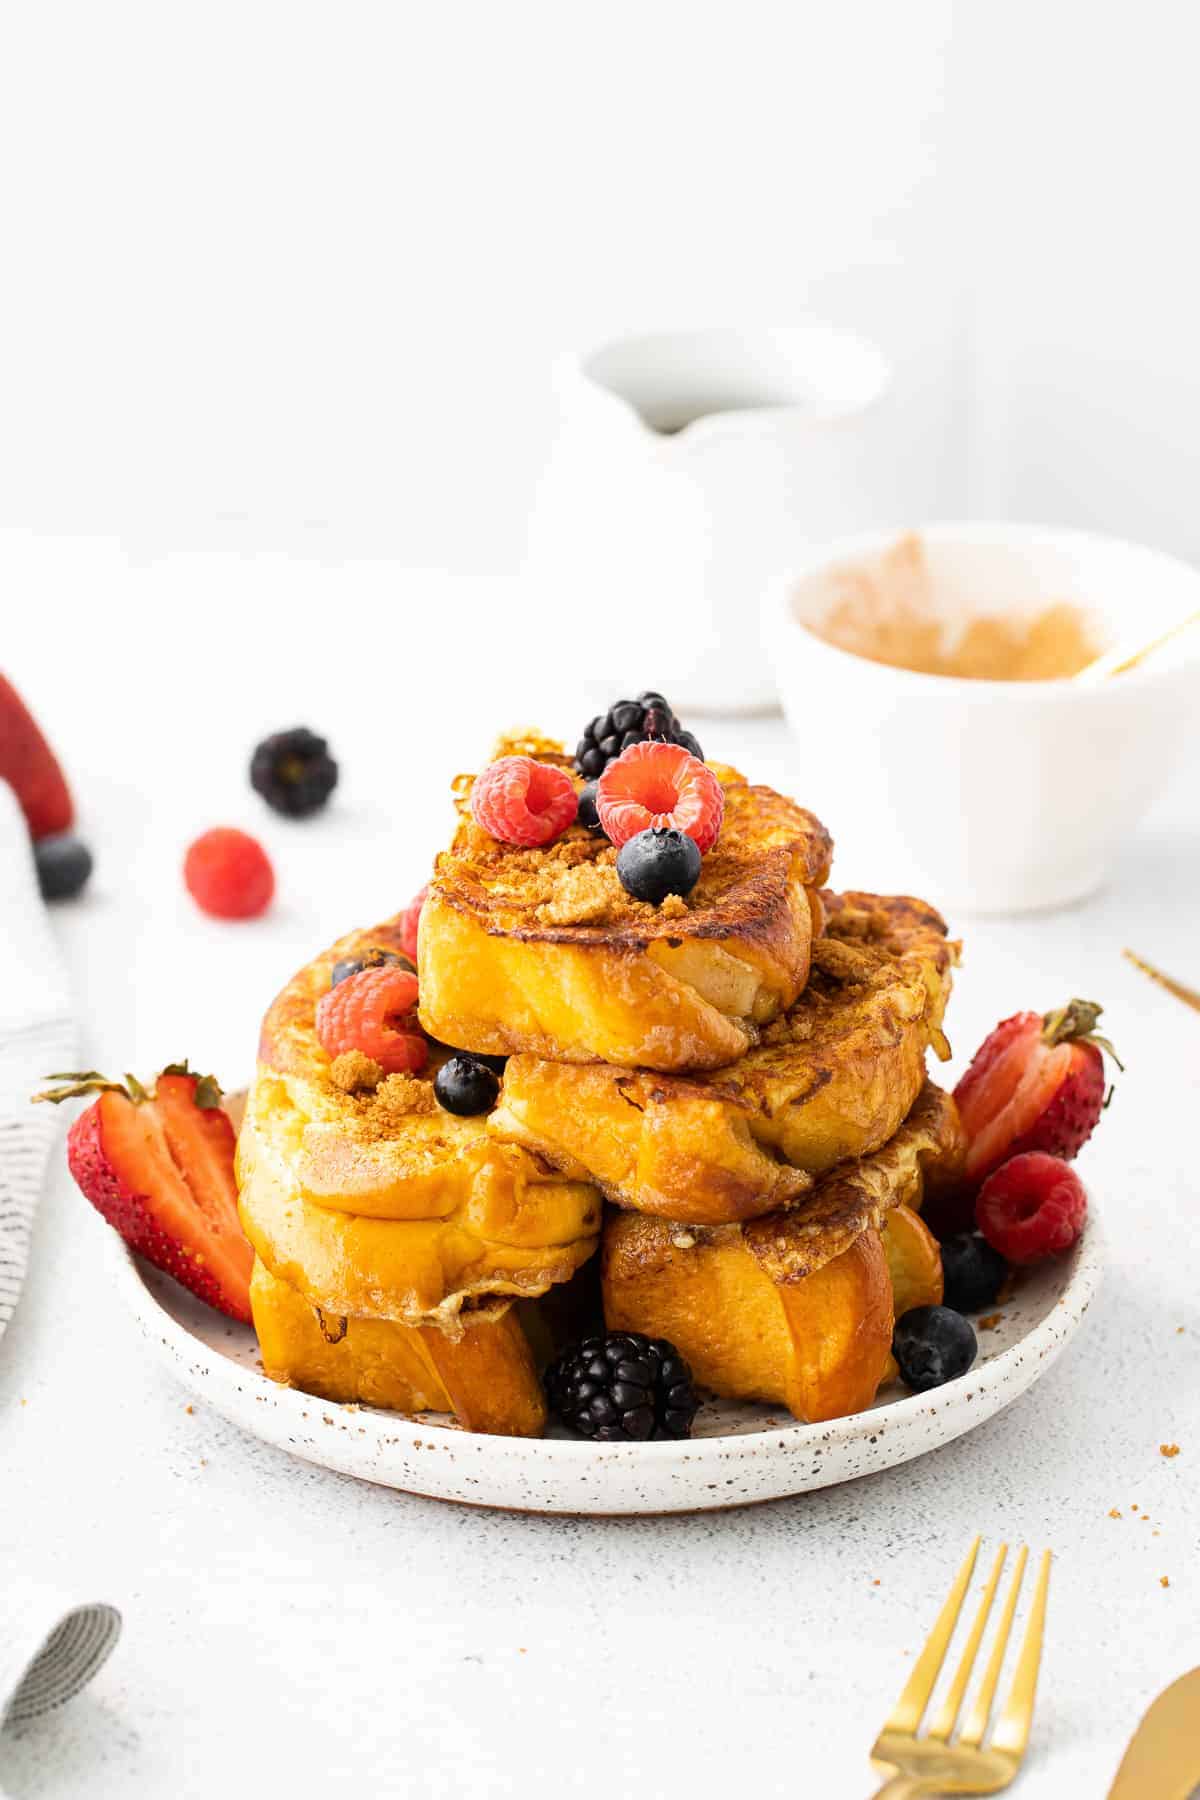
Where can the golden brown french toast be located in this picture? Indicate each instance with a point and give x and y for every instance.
(793, 1308)
(831, 1079)
(543, 951)
(377, 1204)
(484, 1374)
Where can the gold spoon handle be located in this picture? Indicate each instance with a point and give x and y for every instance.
(1188, 995)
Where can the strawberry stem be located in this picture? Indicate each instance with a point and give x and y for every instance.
(78, 1083)
(1075, 1023)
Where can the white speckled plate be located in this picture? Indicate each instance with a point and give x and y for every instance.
(739, 1454)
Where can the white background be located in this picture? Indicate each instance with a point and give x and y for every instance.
(280, 292)
(291, 277)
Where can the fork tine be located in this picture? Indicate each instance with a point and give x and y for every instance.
(906, 1714)
(976, 1724)
(943, 1725)
(1012, 1729)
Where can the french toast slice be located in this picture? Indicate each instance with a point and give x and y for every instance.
(795, 1308)
(485, 1375)
(543, 951)
(831, 1079)
(377, 1204)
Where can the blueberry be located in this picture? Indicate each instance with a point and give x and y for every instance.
(587, 814)
(974, 1272)
(933, 1345)
(370, 959)
(63, 867)
(658, 862)
(465, 1085)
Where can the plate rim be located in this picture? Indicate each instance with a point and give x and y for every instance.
(1051, 1333)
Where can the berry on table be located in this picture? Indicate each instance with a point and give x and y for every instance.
(933, 1345)
(623, 1387)
(294, 772)
(660, 784)
(629, 722)
(64, 865)
(659, 862)
(1032, 1207)
(228, 874)
(1036, 1083)
(375, 1011)
(973, 1272)
(523, 802)
(466, 1086)
(410, 920)
(369, 959)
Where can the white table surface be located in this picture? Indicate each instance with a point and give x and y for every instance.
(293, 1632)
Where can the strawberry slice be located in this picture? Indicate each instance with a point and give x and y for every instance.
(31, 768)
(159, 1167)
(1037, 1083)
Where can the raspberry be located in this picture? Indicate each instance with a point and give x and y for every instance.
(1033, 1206)
(524, 802)
(410, 918)
(373, 1011)
(664, 786)
(229, 874)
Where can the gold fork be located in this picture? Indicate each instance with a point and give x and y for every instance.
(944, 1761)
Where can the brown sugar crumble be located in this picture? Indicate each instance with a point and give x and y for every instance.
(1168, 1449)
(354, 1072)
(1163, 1581)
(990, 1322)
(582, 895)
(1114, 1512)
(401, 1097)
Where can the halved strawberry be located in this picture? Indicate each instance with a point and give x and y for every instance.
(31, 768)
(159, 1167)
(1037, 1083)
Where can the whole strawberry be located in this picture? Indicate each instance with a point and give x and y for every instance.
(1037, 1083)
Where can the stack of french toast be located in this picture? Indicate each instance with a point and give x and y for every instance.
(713, 1098)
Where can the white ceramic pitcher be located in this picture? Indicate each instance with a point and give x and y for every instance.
(692, 468)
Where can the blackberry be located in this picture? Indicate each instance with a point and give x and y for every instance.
(630, 722)
(294, 772)
(623, 1387)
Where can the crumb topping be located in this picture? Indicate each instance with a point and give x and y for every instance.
(354, 1072)
(584, 895)
(401, 1097)
(1168, 1449)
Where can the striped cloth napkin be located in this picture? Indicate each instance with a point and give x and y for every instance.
(50, 1645)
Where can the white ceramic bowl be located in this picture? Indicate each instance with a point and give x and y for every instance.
(1007, 795)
